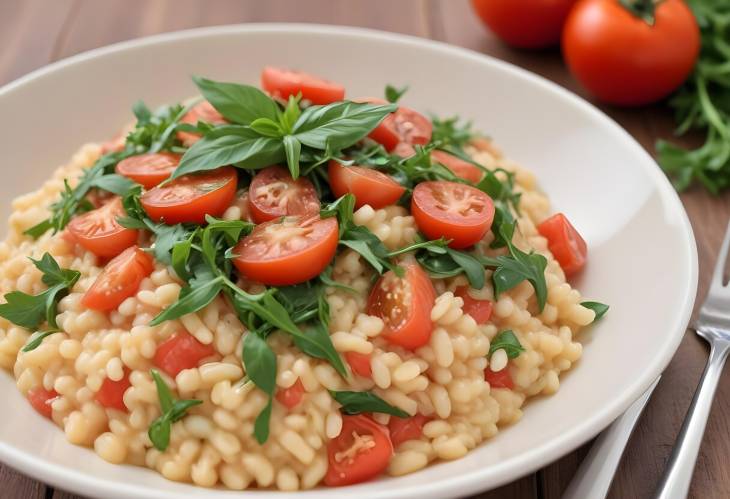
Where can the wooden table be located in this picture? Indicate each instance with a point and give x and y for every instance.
(36, 32)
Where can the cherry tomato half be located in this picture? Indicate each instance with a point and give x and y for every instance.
(191, 197)
(565, 243)
(202, 111)
(119, 280)
(282, 83)
(362, 451)
(41, 399)
(459, 167)
(404, 429)
(404, 125)
(111, 393)
(480, 310)
(369, 186)
(359, 364)
(181, 351)
(499, 379)
(404, 304)
(99, 232)
(149, 169)
(288, 250)
(458, 212)
(290, 397)
(274, 193)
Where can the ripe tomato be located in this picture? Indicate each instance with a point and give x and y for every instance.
(191, 197)
(274, 193)
(499, 379)
(202, 111)
(282, 83)
(404, 429)
(480, 310)
(99, 232)
(525, 23)
(623, 60)
(149, 169)
(181, 351)
(404, 125)
(455, 211)
(359, 364)
(367, 185)
(362, 451)
(459, 167)
(111, 393)
(119, 280)
(565, 243)
(404, 304)
(290, 397)
(41, 400)
(288, 250)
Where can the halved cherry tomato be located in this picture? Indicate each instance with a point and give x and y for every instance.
(404, 125)
(119, 280)
(41, 400)
(404, 304)
(149, 169)
(403, 150)
(565, 243)
(367, 185)
(288, 250)
(290, 397)
(111, 393)
(362, 451)
(455, 211)
(459, 167)
(203, 111)
(191, 197)
(499, 379)
(181, 351)
(99, 232)
(480, 310)
(404, 429)
(274, 193)
(359, 363)
(282, 83)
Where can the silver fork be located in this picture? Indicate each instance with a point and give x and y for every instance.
(714, 326)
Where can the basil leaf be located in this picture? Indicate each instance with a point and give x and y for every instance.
(159, 433)
(359, 402)
(393, 94)
(473, 269)
(600, 309)
(316, 342)
(260, 362)
(141, 112)
(181, 254)
(291, 114)
(114, 183)
(506, 340)
(193, 297)
(293, 150)
(360, 239)
(163, 392)
(439, 266)
(180, 407)
(261, 425)
(236, 102)
(172, 411)
(37, 339)
(266, 127)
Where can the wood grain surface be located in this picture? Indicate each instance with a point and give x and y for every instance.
(36, 32)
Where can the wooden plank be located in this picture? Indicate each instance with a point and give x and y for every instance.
(19, 486)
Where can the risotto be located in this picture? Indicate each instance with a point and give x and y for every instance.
(285, 289)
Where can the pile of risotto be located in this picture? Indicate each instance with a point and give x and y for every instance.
(157, 274)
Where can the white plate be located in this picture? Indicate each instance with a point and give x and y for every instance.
(643, 260)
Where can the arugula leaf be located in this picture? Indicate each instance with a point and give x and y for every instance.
(180, 255)
(359, 402)
(238, 103)
(441, 262)
(196, 295)
(260, 363)
(512, 270)
(393, 94)
(261, 424)
(599, 308)
(172, 411)
(37, 339)
(316, 342)
(437, 246)
(470, 265)
(326, 278)
(449, 132)
(506, 340)
(114, 183)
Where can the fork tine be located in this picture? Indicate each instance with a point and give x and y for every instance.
(717, 276)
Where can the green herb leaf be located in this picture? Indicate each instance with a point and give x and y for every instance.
(359, 402)
(316, 342)
(393, 94)
(261, 425)
(267, 127)
(114, 183)
(181, 254)
(236, 102)
(600, 309)
(163, 391)
(473, 269)
(201, 290)
(37, 339)
(293, 150)
(172, 411)
(260, 362)
(291, 114)
(508, 341)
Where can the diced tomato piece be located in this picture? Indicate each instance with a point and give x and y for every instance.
(499, 379)
(480, 310)
(111, 393)
(41, 400)
(181, 351)
(290, 397)
(369, 186)
(359, 363)
(565, 243)
(361, 452)
(282, 83)
(119, 280)
(404, 429)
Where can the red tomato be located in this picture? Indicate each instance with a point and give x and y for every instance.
(290, 397)
(367, 185)
(181, 351)
(499, 379)
(404, 125)
(41, 400)
(405, 306)
(111, 393)
(404, 429)
(362, 451)
(459, 167)
(525, 23)
(274, 193)
(480, 310)
(623, 60)
(458, 212)
(359, 364)
(202, 111)
(99, 232)
(565, 243)
(119, 280)
(403, 150)
(282, 83)
(288, 250)
(191, 197)
(149, 169)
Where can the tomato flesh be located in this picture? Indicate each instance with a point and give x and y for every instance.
(149, 169)
(361, 452)
(99, 232)
(404, 429)
(41, 399)
(403, 126)
(274, 193)
(359, 364)
(405, 306)
(181, 351)
(111, 393)
(202, 111)
(290, 397)
(565, 243)
(190, 197)
(282, 83)
(459, 167)
(287, 250)
(119, 280)
(369, 186)
(499, 379)
(458, 212)
(480, 310)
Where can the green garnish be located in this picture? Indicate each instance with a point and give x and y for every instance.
(172, 411)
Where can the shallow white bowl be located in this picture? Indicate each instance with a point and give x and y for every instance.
(643, 260)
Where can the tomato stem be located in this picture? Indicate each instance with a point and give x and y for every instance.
(643, 9)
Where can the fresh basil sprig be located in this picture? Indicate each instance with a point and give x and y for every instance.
(172, 411)
(393, 94)
(599, 308)
(360, 402)
(507, 341)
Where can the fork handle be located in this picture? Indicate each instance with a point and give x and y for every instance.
(680, 467)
